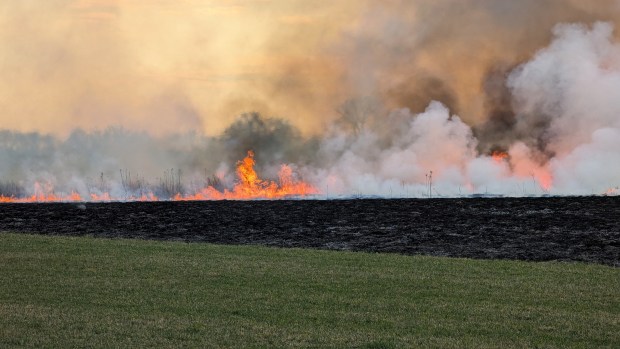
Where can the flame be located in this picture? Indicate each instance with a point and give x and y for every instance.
(6, 199)
(100, 197)
(43, 193)
(499, 156)
(288, 186)
(249, 186)
(144, 197)
(545, 179)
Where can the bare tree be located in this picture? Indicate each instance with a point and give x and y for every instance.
(355, 112)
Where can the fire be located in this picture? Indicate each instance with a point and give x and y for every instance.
(545, 179)
(250, 186)
(288, 186)
(499, 156)
(43, 193)
(101, 197)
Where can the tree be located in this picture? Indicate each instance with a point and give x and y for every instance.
(355, 112)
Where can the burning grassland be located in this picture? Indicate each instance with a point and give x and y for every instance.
(551, 127)
(248, 186)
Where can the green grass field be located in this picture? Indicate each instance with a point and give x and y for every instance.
(84, 292)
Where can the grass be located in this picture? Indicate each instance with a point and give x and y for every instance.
(84, 292)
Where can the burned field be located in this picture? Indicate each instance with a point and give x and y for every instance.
(537, 229)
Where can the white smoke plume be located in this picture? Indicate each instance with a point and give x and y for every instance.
(567, 96)
(576, 82)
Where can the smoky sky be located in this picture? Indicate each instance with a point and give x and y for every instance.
(170, 66)
(356, 93)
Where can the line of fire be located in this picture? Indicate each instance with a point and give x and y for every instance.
(249, 186)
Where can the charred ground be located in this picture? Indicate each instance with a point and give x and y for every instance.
(537, 229)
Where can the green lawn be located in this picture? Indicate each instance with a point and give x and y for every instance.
(84, 292)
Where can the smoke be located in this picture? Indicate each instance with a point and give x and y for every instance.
(557, 116)
(98, 162)
(362, 97)
(175, 66)
(364, 165)
(276, 141)
(575, 81)
(449, 50)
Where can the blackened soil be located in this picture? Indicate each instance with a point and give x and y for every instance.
(538, 229)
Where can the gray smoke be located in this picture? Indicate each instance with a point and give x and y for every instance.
(429, 87)
(556, 115)
(409, 53)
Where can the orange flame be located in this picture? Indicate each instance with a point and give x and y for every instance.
(102, 197)
(250, 186)
(545, 179)
(43, 193)
(499, 156)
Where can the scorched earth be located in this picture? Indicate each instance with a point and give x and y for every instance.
(537, 229)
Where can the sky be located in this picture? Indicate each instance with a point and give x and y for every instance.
(160, 65)
(194, 65)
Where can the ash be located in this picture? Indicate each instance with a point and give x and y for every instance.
(536, 229)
